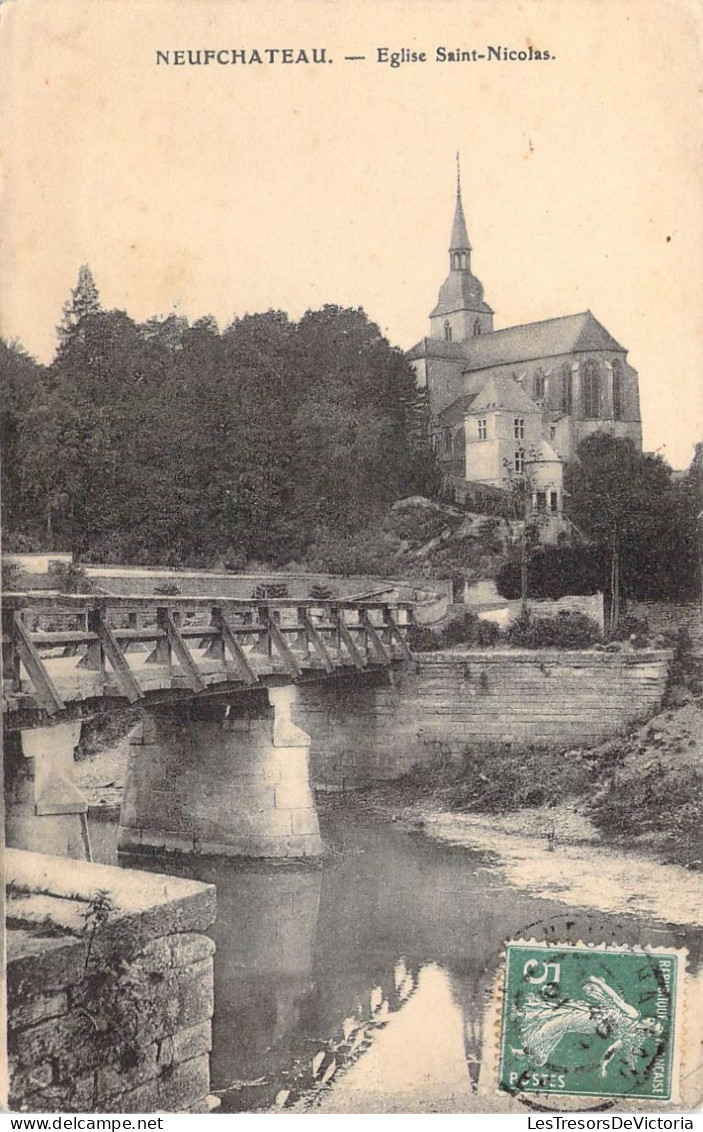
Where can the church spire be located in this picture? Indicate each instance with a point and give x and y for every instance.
(459, 248)
(461, 311)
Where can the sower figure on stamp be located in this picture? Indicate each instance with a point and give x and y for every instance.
(607, 1015)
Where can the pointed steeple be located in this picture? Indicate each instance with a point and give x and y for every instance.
(460, 237)
(461, 311)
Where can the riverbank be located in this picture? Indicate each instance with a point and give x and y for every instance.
(558, 854)
(640, 792)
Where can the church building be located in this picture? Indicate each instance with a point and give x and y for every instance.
(517, 401)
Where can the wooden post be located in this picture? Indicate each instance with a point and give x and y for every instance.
(373, 639)
(263, 643)
(10, 657)
(177, 645)
(132, 623)
(230, 641)
(395, 634)
(162, 651)
(216, 647)
(301, 637)
(45, 689)
(94, 655)
(345, 636)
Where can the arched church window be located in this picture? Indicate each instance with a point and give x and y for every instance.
(591, 389)
(566, 389)
(457, 260)
(477, 327)
(465, 260)
(447, 331)
(617, 388)
(540, 384)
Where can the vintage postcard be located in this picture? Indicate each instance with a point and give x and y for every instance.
(352, 472)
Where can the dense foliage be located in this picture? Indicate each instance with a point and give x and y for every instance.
(179, 444)
(568, 630)
(554, 572)
(638, 524)
(625, 503)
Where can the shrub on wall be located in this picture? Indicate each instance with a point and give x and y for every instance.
(631, 626)
(13, 577)
(466, 630)
(566, 631)
(69, 577)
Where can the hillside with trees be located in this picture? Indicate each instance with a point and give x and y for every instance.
(279, 442)
(184, 445)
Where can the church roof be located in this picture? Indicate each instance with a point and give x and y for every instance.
(502, 392)
(499, 392)
(437, 348)
(544, 453)
(569, 334)
(458, 409)
(460, 291)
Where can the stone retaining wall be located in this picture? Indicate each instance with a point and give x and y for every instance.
(667, 617)
(364, 730)
(85, 1033)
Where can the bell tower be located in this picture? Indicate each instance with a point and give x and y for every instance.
(461, 311)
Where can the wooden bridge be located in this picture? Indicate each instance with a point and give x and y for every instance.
(62, 653)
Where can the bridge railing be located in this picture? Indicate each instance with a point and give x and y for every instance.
(256, 636)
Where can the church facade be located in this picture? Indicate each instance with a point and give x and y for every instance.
(519, 401)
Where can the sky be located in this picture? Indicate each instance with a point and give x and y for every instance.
(227, 189)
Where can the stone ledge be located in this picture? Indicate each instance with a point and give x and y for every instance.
(162, 905)
(563, 657)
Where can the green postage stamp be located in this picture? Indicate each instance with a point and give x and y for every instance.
(591, 1021)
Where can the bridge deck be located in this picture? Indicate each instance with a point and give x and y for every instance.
(64, 651)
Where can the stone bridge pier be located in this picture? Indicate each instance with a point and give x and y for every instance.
(44, 809)
(225, 779)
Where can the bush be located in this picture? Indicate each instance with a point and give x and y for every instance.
(507, 780)
(270, 591)
(69, 578)
(565, 631)
(167, 589)
(421, 638)
(685, 671)
(419, 521)
(553, 573)
(499, 781)
(320, 593)
(13, 577)
(663, 800)
(631, 626)
(466, 630)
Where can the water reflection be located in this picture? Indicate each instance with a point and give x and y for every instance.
(362, 985)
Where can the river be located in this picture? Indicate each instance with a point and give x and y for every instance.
(361, 984)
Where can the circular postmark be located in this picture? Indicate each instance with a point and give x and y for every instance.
(585, 1015)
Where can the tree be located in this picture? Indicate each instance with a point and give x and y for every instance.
(617, 497)
(180, 444)
(520, 488)
(85, 300)
(21, 378)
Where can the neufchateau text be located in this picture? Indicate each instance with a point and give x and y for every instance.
(388, 56)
